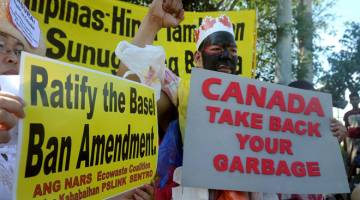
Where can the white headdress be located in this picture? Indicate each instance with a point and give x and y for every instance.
(211, 25)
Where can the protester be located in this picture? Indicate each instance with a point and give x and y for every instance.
(352, 123)
(352, 117)
(12, 42)
(337, 129)
(216, 51)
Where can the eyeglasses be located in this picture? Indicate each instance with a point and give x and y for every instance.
(8, 48)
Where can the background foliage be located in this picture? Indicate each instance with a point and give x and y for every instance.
(344, 69)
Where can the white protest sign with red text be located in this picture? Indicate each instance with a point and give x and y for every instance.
(25, 22)
(249, 135)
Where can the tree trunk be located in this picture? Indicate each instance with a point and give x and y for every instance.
(283, 43)
(305, 29)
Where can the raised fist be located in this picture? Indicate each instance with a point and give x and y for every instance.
(167, 13)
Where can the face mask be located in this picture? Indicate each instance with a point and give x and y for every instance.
(223, 59)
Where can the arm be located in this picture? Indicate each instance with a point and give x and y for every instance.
(346, 116)
(160, 15)
(11, 108)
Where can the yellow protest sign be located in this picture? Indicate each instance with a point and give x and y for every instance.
(85, 134)
(86, 33)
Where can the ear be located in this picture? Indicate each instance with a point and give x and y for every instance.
(198, 59)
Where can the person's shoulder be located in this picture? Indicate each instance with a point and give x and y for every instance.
(346, 117)
(347, 113)
(352, 112)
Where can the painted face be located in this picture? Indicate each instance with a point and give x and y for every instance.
(10, 50)
(219, 52)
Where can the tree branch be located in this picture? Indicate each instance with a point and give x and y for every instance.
(219, 4)
(233, 4)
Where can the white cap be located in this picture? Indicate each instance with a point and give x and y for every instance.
(211, 25)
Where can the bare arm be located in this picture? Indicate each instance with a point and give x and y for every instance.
(161, 14)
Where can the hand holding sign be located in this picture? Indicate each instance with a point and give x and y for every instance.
(338, 129)
(247, 135)
(94, 158)
(145, 192)
(11, 108)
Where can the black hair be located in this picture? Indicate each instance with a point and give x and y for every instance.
(302, 84)
(353, 94)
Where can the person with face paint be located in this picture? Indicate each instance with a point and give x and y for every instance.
(216, 50)
(219, 52)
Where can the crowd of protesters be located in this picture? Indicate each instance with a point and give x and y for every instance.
(215, 50)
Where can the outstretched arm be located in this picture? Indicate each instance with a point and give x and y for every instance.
(161, 14)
